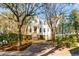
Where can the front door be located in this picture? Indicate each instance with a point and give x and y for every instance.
(35, 29)
(34, 35)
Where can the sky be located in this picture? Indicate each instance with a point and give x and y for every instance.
(1, 10)
(75, 6)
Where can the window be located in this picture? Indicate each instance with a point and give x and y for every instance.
(40, 22)
(30, 29)
(40, 29)
(44, 29)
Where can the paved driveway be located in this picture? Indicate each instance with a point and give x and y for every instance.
(42, 48)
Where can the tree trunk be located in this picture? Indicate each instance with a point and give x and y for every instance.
(62, 32)
(53, 36)
(19, 37)
(77, 35)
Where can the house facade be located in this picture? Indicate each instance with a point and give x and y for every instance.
(40, 28)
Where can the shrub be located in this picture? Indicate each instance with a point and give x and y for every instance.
(10, 38)
(71, 40)
(68, 41)
(58, 41)
(74, 42)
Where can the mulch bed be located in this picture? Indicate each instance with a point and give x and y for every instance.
(23, 47)
(14, 47)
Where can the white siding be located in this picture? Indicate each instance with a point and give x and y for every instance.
(43, 26)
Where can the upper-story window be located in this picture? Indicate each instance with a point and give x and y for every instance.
(40, 29)
(40, 22)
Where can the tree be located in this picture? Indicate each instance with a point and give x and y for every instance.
(75, 18)
(54, 13)
(23, 13)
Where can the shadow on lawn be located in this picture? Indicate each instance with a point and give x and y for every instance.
(75, 51)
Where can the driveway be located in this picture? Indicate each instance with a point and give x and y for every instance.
(42, 48)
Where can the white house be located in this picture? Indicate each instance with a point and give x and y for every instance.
(40, 27)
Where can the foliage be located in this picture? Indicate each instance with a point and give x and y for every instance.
(70, 41)
(58, 41)
(23, 13)
(10, 38)
(74, 41)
